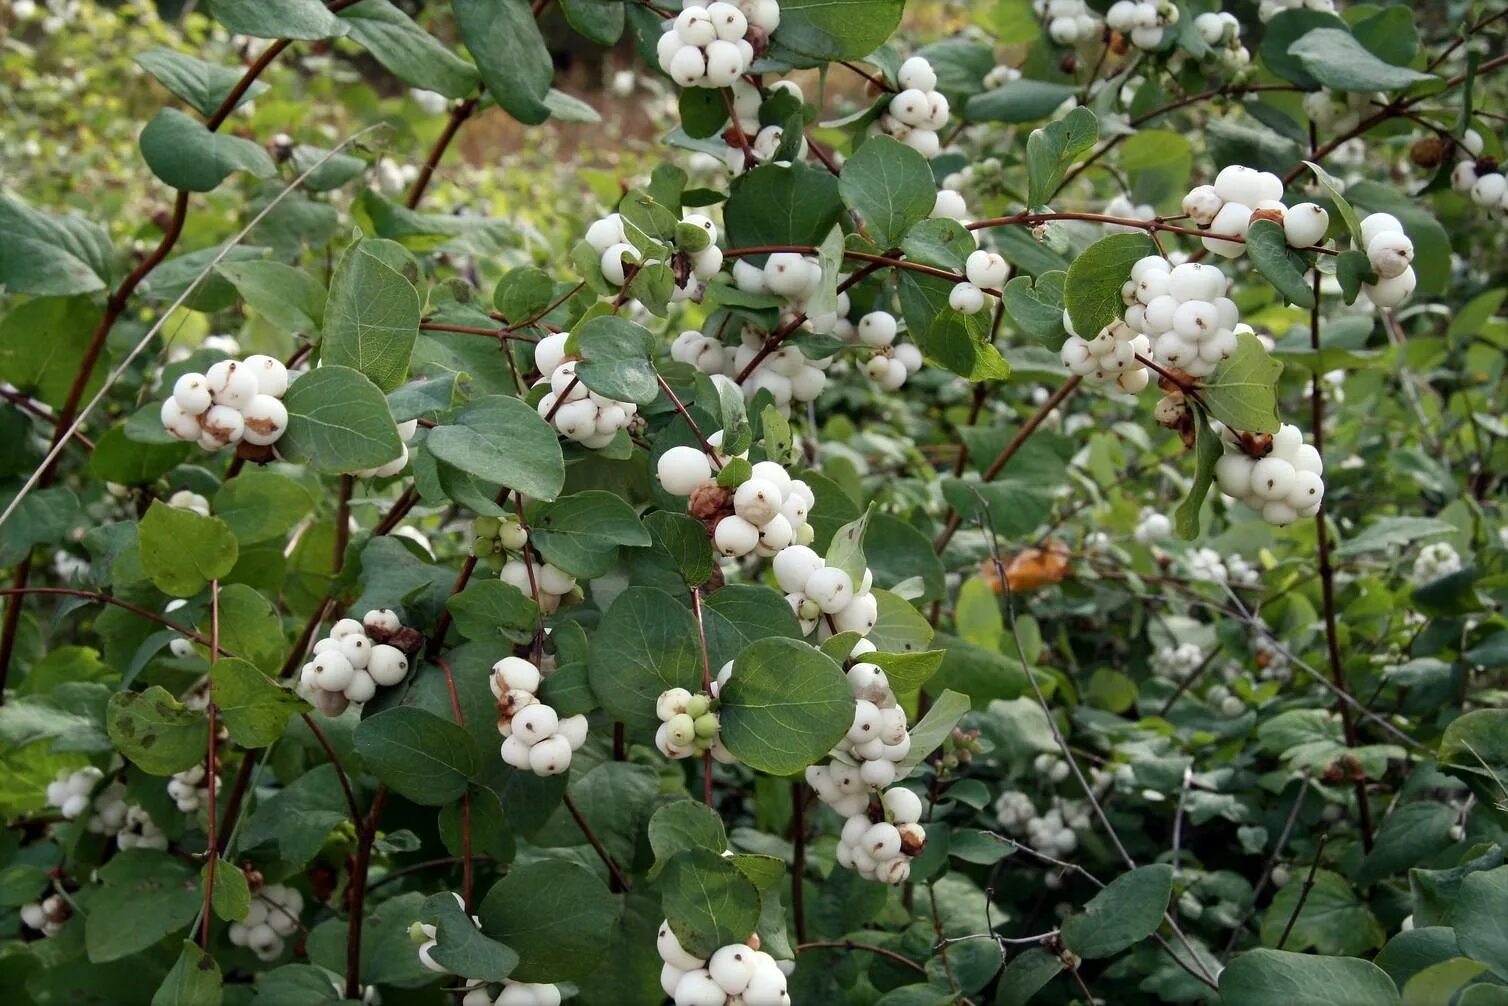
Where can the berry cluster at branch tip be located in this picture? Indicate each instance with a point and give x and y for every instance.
(1390, 253)
(69, 792)
(190, 789)
(735, 975)
(689, 724)
(986, 273)
(1184, 312)
(1284, 484)
(713, 46)
(271, 917)
(1239, 196)
(355, 659)
(46, 916)
(619, 257)
(1479, 176)
(577, 412)
(1069, 22)
(232, 402)
(765, 514)
(825, 598)
(891, 363)
(535, 738)
(1144, 22)
(545, 582)
(918, 112)
(512, 993)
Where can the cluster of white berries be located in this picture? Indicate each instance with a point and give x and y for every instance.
(69, 792)
(137, 830)
(190, 788)
(1182, 310)
(688, 725)
(1153, 526)
(918, 112)
(984, 271)
(1052, 766)
(183, 499)
(46, 916)
(1050, 833)
(1068, 21)
(769, 508)
(735, 975)
(1269, 9)
(1240, 195)
(271, 918)
(892, 362)
(766, 140)
(1221, 31)
(1013, 809)
(234, 400)
(406, 433)
(709, 46)
(352, 661)
(824, 597)
(1121, 205)
(580, 414)
(1177, 662)
(514, 994)
(1484, 181)
(1110, 357)
(393, 178)
(1434, 561)
(619, 256)
(1206, 564)
(546, 581)
(878, 739)
(882, 850)
(1391, 255)
(1225, 701)
(1284, 486)
(1337, 111)
(535, 738)
(1144, 22)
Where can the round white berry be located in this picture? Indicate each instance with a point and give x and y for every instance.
(387, 665)
(682, 470)
(271, 376)
(966, 298)
(735, 536)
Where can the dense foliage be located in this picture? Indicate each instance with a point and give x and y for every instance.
(779, 501)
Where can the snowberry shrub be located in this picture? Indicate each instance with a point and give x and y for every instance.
(1011, 516)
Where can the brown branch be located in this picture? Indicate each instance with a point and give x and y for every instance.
(92, 595)
(612, 867)
(868, 948)
(458, 115)
(358, 892)
(345, 781)
(780, 335)
(696, 431)
(798, 857)
(701, 635)
(455, 709)
(212, 844)
(1304, 891)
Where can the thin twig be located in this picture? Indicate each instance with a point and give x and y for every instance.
(1304, 891)
(596, 843)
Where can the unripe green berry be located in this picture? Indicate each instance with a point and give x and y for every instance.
(681, 730)
(698, 706)
(810, 610)
(706, 725)
(483, 547)
(417, 934)
(486, 527)
(512, 535)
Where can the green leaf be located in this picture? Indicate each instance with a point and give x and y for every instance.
(581, 533)
(1025, 976)
(117, 458)
(1242, 392)
(1481, 926)
(890, 186)
(182, 551)
(155, 732)
(145, 895)
(1126, 912)
(503, 441)
(71, 715)
(780, 205)
(1285, 28)
(203, 85)
(616, 359)
(682, 825)
(230, 898)
(298, 817)
(1337, 60)
(424, 758)
(47, 256)
(193, 981)
(494, 611)
(645, 643)
(959, 342)
(1052, 148)
(837, 29)
(297, 19)
(260, 505)
(940, 242)
(338, 422)
(1020, 100)
(846, 550)
(41, 342)
(928, 733)
(684, 538)
(255, 708)
(1267, 248)
(461, 948)
(1092, 288)
(1352, 269)
(785, 706)
(1390, 532)
(186, 155)
(1409, 835)
(601, 21)
(371, 316)
(702, 111)
(504, 39)
(1266, 977)
(42, 518)
(288, 298)
(414, 55)
(556, 915)
(1333, 919)
(737, 614)
(1036, 304)
(708, 901)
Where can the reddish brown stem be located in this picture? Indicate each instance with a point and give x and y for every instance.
(620, 882)
(358, 887)
(458, 116)
(212, 844)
